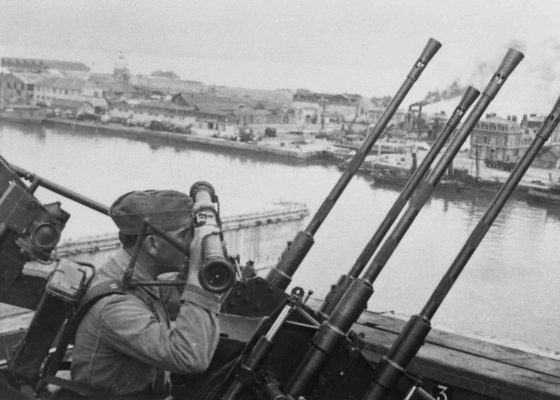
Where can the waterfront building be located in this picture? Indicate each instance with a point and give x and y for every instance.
(238, 111)
(68, 93)
(67, 68)
(428, 125)
(374, 115)
(282, 97)
(19, 87)
(304, 113)
(166, 85)
(547, 158)
(532, 122)
(93, 105)
(337, 107)
(550, 153)
(200, 110)
(143, 112)
(113, 90)
(251, 116)
(499, 139)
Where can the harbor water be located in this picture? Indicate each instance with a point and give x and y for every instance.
(508, 291)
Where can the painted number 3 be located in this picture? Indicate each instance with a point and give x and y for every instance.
(441, 392)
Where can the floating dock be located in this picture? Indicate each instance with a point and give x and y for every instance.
(255, 232)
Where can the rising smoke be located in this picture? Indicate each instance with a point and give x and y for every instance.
(434, 96)
(538, 79)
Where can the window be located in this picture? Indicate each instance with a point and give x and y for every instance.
(65, 91)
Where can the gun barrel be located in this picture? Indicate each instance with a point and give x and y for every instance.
(511, 60)
(412, 337)
(61, 190)
(503, 194)
(344, 282)
(280, 276)
(468, 98)
(333, 331)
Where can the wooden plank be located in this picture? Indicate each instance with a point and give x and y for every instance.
(467, 369)
(545, 362)
(459, 361)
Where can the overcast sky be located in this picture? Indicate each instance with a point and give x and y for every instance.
(364, 47)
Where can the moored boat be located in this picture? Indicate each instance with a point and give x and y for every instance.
(545, 194)
(398, 178)
(549, 192)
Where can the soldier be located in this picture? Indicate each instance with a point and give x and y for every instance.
(125, 341)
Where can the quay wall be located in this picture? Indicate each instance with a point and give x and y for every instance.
(302, 155)
(534, 177)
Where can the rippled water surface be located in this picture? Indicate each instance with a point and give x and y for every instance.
(509, 289)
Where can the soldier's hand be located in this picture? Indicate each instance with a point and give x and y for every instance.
(195, 262)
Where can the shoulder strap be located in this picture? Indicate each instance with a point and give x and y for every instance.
(92, 296)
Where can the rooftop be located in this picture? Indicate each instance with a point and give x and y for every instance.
(64, 83)
(39, 64)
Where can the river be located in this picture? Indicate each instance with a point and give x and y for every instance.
(509, 290)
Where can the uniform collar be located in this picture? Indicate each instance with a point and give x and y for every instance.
(122, 259)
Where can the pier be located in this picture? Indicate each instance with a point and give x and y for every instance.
(292, 152)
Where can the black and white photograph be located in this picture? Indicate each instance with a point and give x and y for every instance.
(279, 200)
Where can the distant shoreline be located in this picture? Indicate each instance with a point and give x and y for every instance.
(300, 155)
(270, 152)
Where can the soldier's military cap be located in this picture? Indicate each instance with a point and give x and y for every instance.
(166, 209)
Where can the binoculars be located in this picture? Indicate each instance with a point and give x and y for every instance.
(216, 274)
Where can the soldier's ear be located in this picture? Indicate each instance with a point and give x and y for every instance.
(151, 245)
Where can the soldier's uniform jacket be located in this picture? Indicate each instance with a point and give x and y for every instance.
(124, 340)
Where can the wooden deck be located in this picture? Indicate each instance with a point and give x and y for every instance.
(469, 365)
(469, 368)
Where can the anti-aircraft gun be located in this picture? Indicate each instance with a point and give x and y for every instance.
(297, 352)
(258, 297)
(274, 345)
(42, 229)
